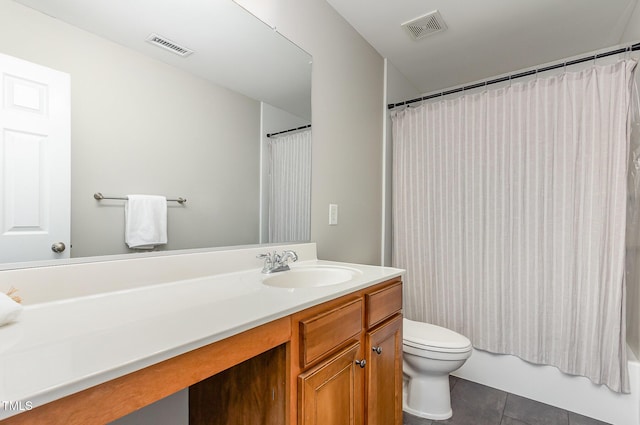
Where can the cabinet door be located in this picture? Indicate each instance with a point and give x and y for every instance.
(332, 393)
(384, 373)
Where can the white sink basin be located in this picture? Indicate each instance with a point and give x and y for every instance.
(311, 276)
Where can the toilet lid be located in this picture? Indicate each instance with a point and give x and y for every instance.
(432, 337)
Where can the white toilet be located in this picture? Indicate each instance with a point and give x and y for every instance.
(430, 353)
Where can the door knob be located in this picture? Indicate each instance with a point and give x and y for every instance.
(361, 363)
(377, 349)
(58, 247)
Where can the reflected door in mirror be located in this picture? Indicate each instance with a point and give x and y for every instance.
(34, 161)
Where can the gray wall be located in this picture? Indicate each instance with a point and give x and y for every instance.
(632, 30)
(347, 116)
(140, 126)
(632, 34)
(633, 250)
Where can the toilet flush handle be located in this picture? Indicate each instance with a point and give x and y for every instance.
(378, 350)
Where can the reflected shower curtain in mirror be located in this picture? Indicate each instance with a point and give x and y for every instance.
(290, 187)
(509, 216)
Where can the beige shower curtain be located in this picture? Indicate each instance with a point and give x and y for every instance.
(509, 215)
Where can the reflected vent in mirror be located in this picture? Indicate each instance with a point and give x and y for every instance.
(425, 25)
(169, 45)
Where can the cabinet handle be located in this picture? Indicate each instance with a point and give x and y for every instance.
(378, 350)
(361, 363)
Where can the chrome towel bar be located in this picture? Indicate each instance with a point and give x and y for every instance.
(99, 196)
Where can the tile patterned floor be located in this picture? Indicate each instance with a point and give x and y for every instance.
(475, 404)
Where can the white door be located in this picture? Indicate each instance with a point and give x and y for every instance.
(34, 161)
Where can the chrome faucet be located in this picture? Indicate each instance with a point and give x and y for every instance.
(274, 262)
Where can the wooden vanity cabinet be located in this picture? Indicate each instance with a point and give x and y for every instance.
(337, 363)
(349, 368)
(342, 366)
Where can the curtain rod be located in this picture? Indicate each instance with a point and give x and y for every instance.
(630, 48)
(289, 131)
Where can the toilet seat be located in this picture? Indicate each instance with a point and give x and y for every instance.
(426, 336)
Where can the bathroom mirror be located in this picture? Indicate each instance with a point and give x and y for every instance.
(147, 120)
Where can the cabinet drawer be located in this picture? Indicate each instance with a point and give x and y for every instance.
(321, 334)
(383, 303)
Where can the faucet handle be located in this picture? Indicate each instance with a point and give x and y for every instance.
(268, 258)
(289, 255)
(268, 262)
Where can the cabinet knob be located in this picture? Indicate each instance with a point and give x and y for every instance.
(361, 363)
(378, 350)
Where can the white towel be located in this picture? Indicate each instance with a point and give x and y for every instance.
(9, 309)
(145, 221)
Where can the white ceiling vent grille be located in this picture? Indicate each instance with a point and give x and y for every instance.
(169, 45)
(425, 25)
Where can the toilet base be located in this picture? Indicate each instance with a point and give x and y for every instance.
(424, 415)
(427, 397)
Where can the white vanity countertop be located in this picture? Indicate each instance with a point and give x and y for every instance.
(62, 347)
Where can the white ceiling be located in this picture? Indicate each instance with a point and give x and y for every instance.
(232, 47)
(485, 38)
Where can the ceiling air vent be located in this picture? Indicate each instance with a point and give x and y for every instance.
(425, 25)
(169, 45)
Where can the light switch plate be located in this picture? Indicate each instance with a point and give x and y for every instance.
(333, 214)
